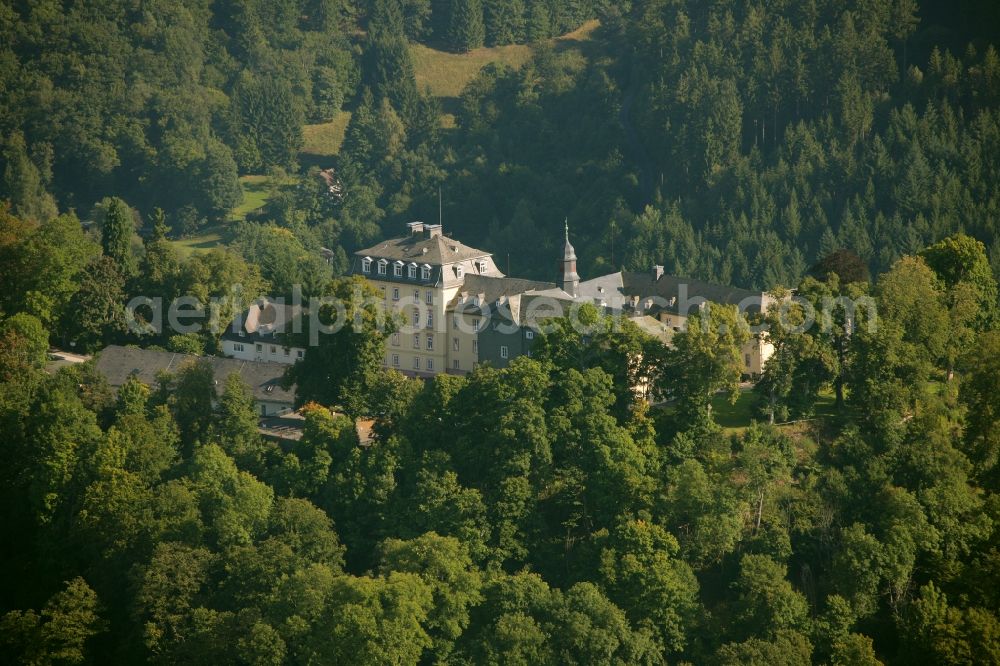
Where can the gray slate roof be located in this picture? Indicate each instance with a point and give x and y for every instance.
(490, 288)
(667, 287)
(606, 288)
(118, 363)
(435, 251)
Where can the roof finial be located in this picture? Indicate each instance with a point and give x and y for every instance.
(567, 230)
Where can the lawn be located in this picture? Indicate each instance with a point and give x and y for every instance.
(206, 239)
(324, 139)
(733, 418)
(255, 190)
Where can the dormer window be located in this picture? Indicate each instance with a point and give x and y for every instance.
(397, 269)
(366, 265)
(412, 272)
(425, 272)
(382, 264)
(458, 271)
(481, 265)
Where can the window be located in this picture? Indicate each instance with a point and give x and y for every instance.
(454, 322)
(481, 265)
(430, 342)
(747, 359)
(382, 289)
(416, 362)
(416, 295)
(458, 271)
(454, 364)
(475, 346)
(455, 344)
(366, 265)
(381, 266)
(425, 272)
(416, 341)
(503, 351)
(395, 360)
(259, 347)
(475, 325)
(529, 335)
(395, 294)
(237, 347)
(273, 350)
(395, 339)
(430, 364)
(287, 351)
(411, 271)
(429, 297)
(416, 318)
(430, 319)
(475, 301)
(301, 354)
(243, 333)
(397, 269)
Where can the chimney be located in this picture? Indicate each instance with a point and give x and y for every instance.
(657, 273)
(432, 230)
(416, 228)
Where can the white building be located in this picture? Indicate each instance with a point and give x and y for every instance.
(256, 334)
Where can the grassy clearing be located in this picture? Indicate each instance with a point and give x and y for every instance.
(206, 239)
(581, 34)
(325, 139)
(734, 418)
(446, 74)
(255, 191)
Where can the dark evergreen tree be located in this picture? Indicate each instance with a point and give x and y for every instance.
(116, 237)
(466, 30)
(504, 22)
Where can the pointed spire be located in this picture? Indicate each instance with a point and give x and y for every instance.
(568, 251)
(569, 278)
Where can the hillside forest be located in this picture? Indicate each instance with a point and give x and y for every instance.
(542, 513)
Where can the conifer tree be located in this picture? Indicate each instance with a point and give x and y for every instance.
(116, 237)
(504, 22)
(539, 25)
(467, 31)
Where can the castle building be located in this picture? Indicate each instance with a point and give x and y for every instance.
(459, 309)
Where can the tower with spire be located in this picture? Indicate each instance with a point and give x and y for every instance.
(568, 277)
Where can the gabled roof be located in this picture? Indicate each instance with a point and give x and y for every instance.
(118, 363)
(667, 287)
(436, 251)
(489, 288)
(606, 288)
